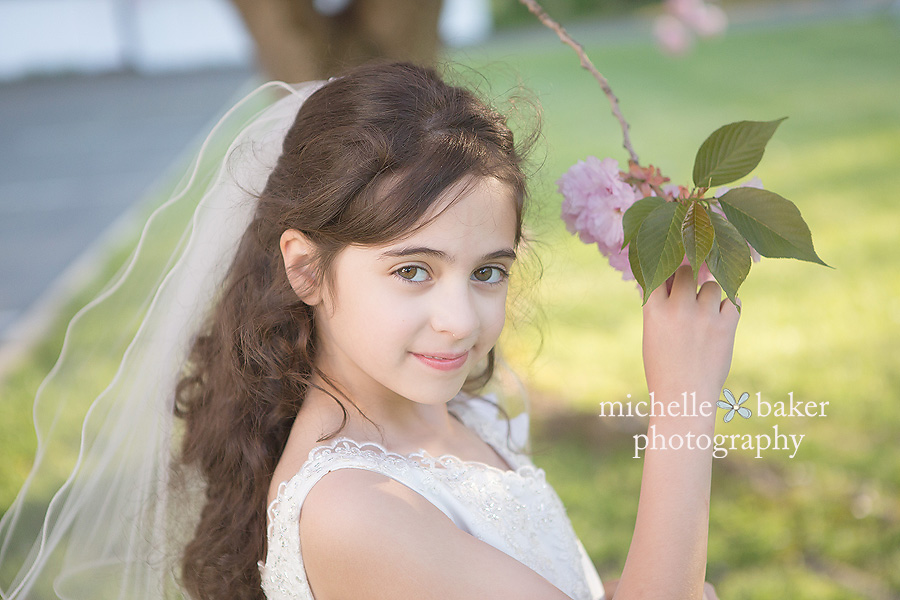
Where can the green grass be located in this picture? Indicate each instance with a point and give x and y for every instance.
(825, 524)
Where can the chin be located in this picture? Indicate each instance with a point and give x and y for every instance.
(436, 396)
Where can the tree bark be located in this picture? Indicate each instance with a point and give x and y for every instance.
(294, 42)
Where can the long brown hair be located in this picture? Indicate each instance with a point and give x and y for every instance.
(251, 367)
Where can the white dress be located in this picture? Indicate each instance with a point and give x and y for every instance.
(515, 511)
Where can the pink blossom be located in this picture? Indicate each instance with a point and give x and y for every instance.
(675, 29)
(672, 36)
(705, 19)
(674, 191)
(595, 198)
(756, 256)
(708, 21)
(619, 262)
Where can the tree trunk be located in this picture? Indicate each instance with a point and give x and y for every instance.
(294, 42)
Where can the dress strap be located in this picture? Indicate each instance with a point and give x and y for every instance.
(283, 574)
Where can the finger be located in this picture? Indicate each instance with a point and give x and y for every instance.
(657, 297)
(684, 285)
(710, 296)
(728, 309)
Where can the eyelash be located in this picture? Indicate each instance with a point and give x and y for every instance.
(504, 274)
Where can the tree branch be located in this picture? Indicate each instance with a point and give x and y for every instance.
(539, 12)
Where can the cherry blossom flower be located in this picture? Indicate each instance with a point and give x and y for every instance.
(683, 19)
(594, 199)
(596, 195)
(672, 35)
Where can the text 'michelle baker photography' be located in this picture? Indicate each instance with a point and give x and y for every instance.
(774, 439)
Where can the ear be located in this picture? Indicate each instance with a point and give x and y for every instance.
(298, 252)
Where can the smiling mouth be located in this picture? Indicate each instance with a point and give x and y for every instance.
(443, 362)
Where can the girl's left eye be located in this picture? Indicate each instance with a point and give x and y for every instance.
(412, 273)
(490, 275)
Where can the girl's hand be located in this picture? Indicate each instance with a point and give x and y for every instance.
(688, 338)
(688, 342)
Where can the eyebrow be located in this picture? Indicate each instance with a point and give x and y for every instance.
(440, 254)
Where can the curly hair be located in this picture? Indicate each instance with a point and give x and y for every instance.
(378, 126)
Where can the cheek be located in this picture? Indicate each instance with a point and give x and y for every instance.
(379, 317)
(494, 318)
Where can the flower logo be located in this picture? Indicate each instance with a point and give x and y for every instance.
(734, 406)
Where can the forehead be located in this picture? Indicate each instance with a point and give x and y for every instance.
(477, 209)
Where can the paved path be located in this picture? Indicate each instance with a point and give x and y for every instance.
(76, 153)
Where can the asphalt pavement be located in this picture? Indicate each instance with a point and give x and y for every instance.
(76, 153)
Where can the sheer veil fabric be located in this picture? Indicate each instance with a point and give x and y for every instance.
(96, 518)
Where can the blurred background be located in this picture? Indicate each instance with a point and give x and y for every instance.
(103, 101)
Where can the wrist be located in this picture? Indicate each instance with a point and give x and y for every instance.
(683, 412)
(667, 403)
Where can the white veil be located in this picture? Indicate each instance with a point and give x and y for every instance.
(95, 519)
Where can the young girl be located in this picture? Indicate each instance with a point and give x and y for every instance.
(331, 402)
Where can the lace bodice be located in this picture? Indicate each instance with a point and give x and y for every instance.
(515, 511)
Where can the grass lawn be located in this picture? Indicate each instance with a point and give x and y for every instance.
(824, 524)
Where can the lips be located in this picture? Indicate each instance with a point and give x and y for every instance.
(443, 361)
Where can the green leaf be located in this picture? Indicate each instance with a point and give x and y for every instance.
(635, 215)
(732, 151)
(770, 223)
(697, 235)
(729, 256)
(659, 245)
(635, 263)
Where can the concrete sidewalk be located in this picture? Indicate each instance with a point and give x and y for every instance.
(77, 153)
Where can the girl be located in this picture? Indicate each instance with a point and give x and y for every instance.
(336, 380)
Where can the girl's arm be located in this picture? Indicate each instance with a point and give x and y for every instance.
(610, 585)
(687, 346)
(368, 537)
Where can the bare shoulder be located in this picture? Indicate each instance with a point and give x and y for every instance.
(306, 434)
(367, 536)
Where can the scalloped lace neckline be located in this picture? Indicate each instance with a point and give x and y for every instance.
(422, 458)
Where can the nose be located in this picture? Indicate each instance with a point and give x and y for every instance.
(454, 311)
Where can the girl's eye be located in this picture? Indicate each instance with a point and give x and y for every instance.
(412, 273)
(490, 275)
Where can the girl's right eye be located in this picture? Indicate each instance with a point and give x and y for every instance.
(412, 273)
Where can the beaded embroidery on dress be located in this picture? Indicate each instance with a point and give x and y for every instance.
(515, 511)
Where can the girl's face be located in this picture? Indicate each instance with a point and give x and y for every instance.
(413, 318)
